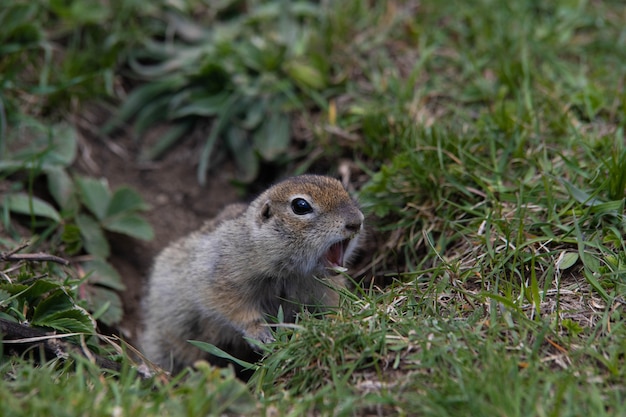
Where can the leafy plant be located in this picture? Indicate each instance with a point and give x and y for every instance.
(45, 302)
(53, 52)
(83, 210)
(248, 72)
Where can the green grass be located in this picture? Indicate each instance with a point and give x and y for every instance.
(410, 351)
(62, 390)
(492, 136)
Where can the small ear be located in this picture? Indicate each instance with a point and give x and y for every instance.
(266, 211)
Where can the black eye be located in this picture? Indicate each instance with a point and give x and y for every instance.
(300, 206)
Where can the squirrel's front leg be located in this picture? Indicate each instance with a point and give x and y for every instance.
(258, 330)
(242, 313)
(253, 326)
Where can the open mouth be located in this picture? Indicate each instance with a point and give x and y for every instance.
(335, 255)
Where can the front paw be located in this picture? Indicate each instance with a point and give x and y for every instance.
(258, 336)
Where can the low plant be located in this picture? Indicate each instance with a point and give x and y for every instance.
(81, 211)
(53, 54)
(247, 71)
(47, 301)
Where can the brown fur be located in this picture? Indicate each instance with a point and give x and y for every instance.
(223, 282)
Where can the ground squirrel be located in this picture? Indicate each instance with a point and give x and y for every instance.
(221, 283)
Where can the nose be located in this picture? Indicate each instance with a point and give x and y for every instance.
(355, 223)
(353, 227)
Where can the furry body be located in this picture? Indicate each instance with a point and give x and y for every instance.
(225, 281)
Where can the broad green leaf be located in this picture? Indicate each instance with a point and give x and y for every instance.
(255, 113)
(209, 106)
(102, 273)
(265, 11)
(138, 99)
(24, 204)
(305, 75)
(64, 145)
(151, 114)
(59, 300)
(61, 187)
(257, 56)
(243, 152)
(95, 195)
(591, 262)
(173, 62)
(16, 16)
(12, 166)
(125, 199)
(100, 297)
(95, 13)
(272, 138)
(579, 195)
(68, 321)
(51, 146)
(65, 324)
(131, 225)
(222, 121)
(72, 239)
(94, 240)
(32, 292)
(566, 260)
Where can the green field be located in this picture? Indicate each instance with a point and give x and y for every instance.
(487, 140)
